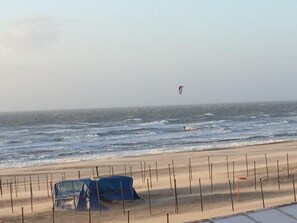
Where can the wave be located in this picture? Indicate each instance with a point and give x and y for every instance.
(206, 115)
(287, 134)
(132, 120)
(161, 122)
(58, 139)
(12, 142)
(138, 131)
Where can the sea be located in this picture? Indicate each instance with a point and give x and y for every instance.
(45, 137)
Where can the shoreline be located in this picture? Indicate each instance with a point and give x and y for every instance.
(70, 162)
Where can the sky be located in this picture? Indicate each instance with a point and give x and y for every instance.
(72, 54)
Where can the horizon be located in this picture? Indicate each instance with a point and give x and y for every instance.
(150, 106)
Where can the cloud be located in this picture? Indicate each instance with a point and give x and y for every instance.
(29, 35)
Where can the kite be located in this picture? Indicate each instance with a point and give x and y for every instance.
(180, 89)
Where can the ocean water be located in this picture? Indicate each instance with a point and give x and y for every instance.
(35, 138)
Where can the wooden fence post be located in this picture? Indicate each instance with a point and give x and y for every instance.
(211, 179)
(150, 172)
(266, 162)
(255, 175)
(31, 193)
(15, 186)
(288, 166)
(278, 178)
(46, 177)
(173, 171)
(97, 172)
(200, 190)
(169, 173)
(231, 197)
(190, 184)
(53, 211)
(1, 187)
(122, 195)
(208, 160)
(293, 179)
(262, 193)
(247, 165)
(23, 217)
(11, 200)
(233, 175)
(227, 165)
(149, 196)
(157, 177)
(90, 217)
(175, 196)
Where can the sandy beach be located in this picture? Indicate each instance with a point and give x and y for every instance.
(218, 172)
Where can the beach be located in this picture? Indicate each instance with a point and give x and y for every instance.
(219, 172)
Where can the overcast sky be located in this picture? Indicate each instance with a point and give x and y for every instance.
(59, 54)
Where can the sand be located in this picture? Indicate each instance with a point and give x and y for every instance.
(210, 167)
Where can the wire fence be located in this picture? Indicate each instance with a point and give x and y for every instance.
(261, 181)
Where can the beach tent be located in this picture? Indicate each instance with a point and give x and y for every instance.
(76, 194)
(116, 188)
(83, 194)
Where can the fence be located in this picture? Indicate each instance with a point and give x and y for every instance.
(192, 185)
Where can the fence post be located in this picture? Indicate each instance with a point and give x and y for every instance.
(173, 171)
(288, 166)
(227, 165)
(200, 190)
(266, 165)
(190, 185)
(23, 218)
(90, 217)
(247, 165)
(190, 169)
(144, 170)
(293, 178)
(231, 197)
(122, 194)
(262, 193)
(278, 178)
(255, 175)
(47, 184)
(38, 180)
(151, 183)
(149, 196)
(98, 196)
(211, 179)
(11, 201)
(157, 177)
(169, 172)
(233, 175)
(97, 172)
(52, 194)
(74, 201)
(208, 160)
(53, 210)
(175, 196)
(141, 171)
(31, 193)
(25, 184)
(1, 187)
